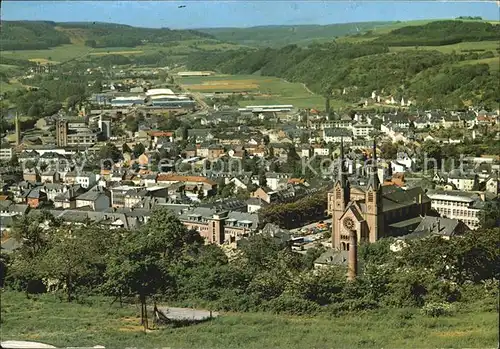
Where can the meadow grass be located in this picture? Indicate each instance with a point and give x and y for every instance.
(59, 323)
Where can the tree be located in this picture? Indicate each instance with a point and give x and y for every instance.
(141, 263)
(262, 179)
(91, 43)
(111, 152)
(73, 257)
(489, 216)
(31, 232)
(139, 149)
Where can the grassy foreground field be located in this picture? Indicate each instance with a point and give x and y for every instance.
(50, 321)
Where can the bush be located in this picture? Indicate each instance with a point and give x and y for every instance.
(435, 309)
(291, 305)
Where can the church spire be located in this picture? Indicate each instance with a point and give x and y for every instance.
(374, 181)
(342, 171)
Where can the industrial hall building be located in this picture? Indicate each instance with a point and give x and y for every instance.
(373, 211)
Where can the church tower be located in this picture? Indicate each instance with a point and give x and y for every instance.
(373, 199)
(340, 198)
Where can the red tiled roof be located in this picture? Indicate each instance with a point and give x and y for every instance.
(161, 134)
(179, 178)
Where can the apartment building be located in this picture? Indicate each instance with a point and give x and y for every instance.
(458, 205)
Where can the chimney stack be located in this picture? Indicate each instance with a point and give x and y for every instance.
(353, 255)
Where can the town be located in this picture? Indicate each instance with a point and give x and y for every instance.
(231, 164)
(201, 195)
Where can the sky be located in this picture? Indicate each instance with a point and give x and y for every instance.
(240, 13)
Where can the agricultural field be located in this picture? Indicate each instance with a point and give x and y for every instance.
(462, 46)
(64, 53)
(493, 62)
(95, 321)
(265, 89)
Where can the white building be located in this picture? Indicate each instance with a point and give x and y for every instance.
(362, 130)
(457, 205)
(86, 179)
(5, 152)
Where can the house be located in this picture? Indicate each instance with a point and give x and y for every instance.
(464, 182)
(493, 184)
(362, 130)
(266, 194)
(97, 198)
(158, 137)
(449, 121)
(31, 175)
(255, 204)
(239, 184)
(320, 150)
(306, 151)
(190, 151)
(202, 150)
(192, 183)
(149, 179)
(35, 197)
(432, 226)
(276, 181)
(70, 178)
(54, 189)
(49, 177)
(200, 135)
(67, 199)
(215, 151)
(86, 179)
(5, 152)
(332, 258)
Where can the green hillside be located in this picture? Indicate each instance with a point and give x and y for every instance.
(441, 33)
(430, 76)
(30, 35)
(281, 35)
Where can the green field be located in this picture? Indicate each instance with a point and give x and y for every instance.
(72, 51)
(462, 46)
(265, 89)
(51, 321)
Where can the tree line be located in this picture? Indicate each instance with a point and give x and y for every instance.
(163, 261)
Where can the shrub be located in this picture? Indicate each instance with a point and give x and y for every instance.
(291, 305)
(436, 309)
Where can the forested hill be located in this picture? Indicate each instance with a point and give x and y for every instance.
(441, 33)
(34, 35)
(282, 35)
(28, 35)
(433, 76)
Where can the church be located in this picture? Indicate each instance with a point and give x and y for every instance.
(373, 211)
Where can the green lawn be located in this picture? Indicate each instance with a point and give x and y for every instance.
(58, 323)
